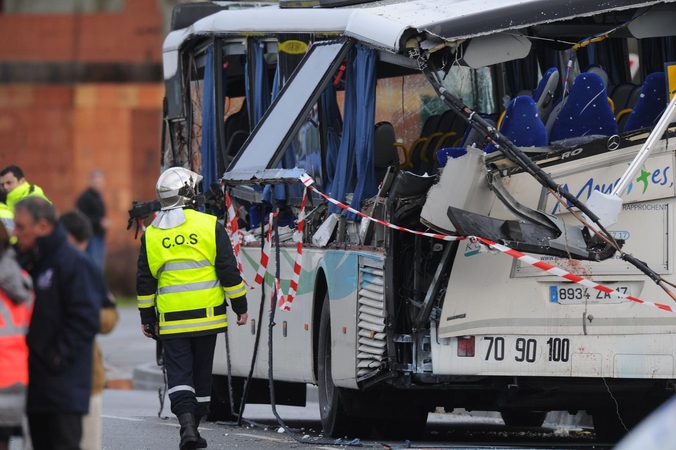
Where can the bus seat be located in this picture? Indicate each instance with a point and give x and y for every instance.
(620, 95)
(522, 125)
(444, 126)
(650, 104)
(442, 132)
(236, 131)
(621, 119)
(634, 96)
(385, 153)
(473, 137)
(454, 135)
(586, 111)
(544, 93)
(413, 154)
(600, 71)
(554, 113)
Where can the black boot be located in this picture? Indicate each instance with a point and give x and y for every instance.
(189, 434)
(201, 442)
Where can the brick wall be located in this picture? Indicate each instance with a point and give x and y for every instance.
(134, 35)
(59, 134)
(58, 129)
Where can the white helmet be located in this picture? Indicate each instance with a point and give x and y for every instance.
(177, 187)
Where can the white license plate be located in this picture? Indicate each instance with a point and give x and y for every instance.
(574, 294)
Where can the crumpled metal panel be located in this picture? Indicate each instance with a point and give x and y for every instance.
(384, 24)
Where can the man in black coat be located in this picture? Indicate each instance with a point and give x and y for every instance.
(68, 294)
(90, 203)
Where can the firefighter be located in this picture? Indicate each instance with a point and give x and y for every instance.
(186, 268)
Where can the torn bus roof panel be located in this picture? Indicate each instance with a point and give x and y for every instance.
(386, 24)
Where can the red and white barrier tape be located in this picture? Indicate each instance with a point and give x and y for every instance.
(308, 182)
(567, 275)
(236, 236)
(265, 252)
(285, 302)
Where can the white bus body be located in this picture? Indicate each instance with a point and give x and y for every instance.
(417, 323)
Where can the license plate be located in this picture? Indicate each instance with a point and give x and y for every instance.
(574, 294)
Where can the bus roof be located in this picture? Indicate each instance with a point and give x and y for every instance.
(269, 19)
(254, 21)
(387, 23)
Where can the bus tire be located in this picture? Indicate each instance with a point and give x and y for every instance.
(514, 418)
(335, 421)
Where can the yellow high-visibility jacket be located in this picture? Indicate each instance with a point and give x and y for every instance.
(22, 191)
(184, 274)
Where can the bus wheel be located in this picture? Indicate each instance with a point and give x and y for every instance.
(412, 427)
(335, 421)
(523, 418)
(220, 400)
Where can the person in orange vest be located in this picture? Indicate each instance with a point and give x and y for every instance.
(16, 303)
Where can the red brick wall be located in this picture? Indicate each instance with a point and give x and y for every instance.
(59, 134)
(134, 35)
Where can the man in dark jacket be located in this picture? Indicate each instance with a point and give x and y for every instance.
(91, 205)
(68, 295)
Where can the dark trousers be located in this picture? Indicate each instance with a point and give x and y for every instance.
(189, 362)
(55, 431)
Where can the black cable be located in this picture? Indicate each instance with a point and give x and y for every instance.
(230, 393)
(258, 331)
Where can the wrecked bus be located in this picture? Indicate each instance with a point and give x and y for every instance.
(428, 166)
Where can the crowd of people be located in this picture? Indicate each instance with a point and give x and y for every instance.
(53, 302)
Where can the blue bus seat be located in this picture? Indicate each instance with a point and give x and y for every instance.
(650, 104)
(586, 110)
(522, 124)
(600, 71)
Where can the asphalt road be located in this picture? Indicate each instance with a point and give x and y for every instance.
(130, 417)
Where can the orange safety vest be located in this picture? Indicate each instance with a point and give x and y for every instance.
(14, 321)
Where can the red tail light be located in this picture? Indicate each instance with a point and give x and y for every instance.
(466, 346)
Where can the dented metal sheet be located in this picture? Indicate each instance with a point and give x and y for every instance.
(389, 24)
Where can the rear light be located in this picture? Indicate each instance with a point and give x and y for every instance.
(466, 346)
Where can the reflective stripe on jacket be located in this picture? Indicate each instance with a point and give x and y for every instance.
(14, 321)
(189, 295)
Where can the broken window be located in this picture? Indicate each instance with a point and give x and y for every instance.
(288, 113)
